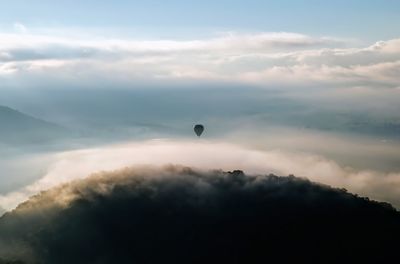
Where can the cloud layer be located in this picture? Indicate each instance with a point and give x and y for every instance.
(258, 58)
(70, 165)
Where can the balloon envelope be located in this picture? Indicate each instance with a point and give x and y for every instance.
(198, 129)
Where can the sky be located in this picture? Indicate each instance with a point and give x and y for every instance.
(369, 20)
(310, 88)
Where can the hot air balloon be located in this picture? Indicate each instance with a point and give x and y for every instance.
(198, 129)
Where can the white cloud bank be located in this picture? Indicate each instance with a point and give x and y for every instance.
(78, 164)
(261, 58)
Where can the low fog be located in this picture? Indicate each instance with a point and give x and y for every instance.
(207, 154)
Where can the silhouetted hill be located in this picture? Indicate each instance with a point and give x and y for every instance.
(180, 215)
(18, 128)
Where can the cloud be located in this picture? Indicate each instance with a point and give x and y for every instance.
(274, 58)
(181, 215)
(36, 47)
(227, 42)
(377, 75)
(19, 27)
(71, 165)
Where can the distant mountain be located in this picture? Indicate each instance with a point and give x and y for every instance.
(18, 128)
(179, 215)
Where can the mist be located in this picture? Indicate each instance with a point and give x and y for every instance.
(63, 167)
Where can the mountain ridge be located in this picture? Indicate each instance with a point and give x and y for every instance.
(20, 128)
(177, 214)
